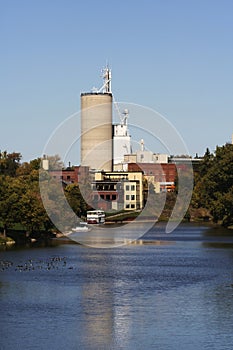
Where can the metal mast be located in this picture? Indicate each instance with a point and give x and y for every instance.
(107, 77)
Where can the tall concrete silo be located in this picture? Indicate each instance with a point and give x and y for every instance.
(96, 127)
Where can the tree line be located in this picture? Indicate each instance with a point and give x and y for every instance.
(213, 185)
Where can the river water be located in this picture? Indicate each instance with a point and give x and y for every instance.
(175, 291)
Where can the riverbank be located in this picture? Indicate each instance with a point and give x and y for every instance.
(43, 238)
(22, 237)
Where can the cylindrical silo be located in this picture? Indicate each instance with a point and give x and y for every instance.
(96, 130)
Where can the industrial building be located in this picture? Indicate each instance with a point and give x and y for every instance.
(96, 126)
(118, 175)
(145, 156)
(103, 145)
(121, 140)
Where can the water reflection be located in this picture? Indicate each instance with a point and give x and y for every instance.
(97, 305)
(218, 237)
(224, 245)
(171, 296)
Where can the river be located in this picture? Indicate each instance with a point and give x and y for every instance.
(173, 292)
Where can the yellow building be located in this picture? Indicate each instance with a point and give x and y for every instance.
(122, 190)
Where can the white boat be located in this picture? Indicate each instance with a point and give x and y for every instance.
(83, 226)
(95, 217)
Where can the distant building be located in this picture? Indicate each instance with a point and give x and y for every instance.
(118, 190)
(121, 140)
(145, 156)
(162, 176)
(71, 174)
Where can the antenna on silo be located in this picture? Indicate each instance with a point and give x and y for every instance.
(124, 118)
(107, 77)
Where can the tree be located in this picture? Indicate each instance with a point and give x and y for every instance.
(214, 185)
(9, 163)
(55, 202)
(75, 199)
(26, 168)
(10, 193)
(33, 216)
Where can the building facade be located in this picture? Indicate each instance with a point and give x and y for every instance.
(162, 176)
(70, 175)
(121, 140)
(118, 191)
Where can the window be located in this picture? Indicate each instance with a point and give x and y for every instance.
(132, 197)
(107, 197)
(102, 196)
(132, 187)
(127, 197)
(113, 197)
(132, 206)
(127, 206)
(127, 187)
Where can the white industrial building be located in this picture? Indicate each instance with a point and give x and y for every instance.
(144, 156)
(105, 146)
(121, 140)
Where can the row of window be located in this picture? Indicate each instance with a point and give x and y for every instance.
(130, 188)
(105, 187)
(106, 197)
(130, 206)
(68, 177)
(131, 197)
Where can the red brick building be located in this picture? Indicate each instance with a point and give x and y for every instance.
(70, 175)
(165, 172)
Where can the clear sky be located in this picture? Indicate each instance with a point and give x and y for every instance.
(174, 56)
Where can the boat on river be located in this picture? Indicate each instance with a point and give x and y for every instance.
(82, 227)
(96, 217)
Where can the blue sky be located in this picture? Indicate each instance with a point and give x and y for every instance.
(175, 57)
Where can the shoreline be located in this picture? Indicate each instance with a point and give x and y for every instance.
(45, 238)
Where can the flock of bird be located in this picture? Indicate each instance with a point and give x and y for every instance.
(55, 262)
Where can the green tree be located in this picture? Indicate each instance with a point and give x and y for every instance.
(214, 185)
(55, 202)
(26, 168)
(33, 216)
(9, 163)
(10, 192)
(75, 199)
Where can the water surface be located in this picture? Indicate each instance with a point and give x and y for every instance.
(176, 292)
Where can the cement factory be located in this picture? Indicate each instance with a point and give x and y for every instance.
(120, 178)
(103, 144)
